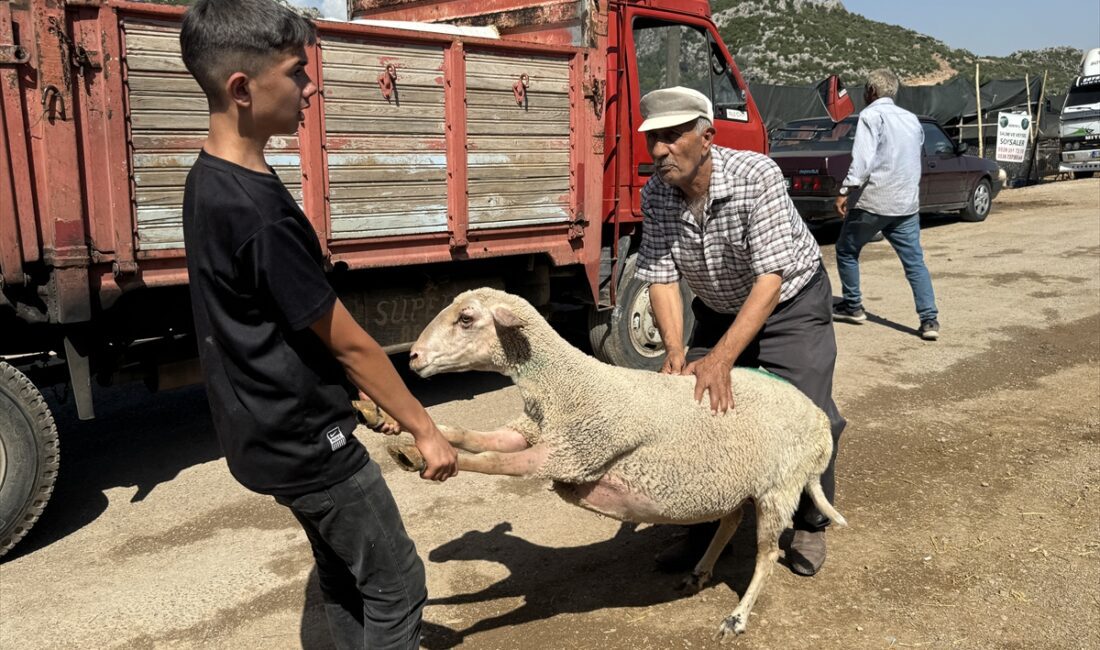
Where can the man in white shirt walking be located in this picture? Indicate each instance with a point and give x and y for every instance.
(883, 185)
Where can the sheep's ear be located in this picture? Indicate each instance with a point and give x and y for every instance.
(505, 318)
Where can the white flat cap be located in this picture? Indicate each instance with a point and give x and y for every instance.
(673, 106)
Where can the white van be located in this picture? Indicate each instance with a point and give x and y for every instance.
(1080, 131)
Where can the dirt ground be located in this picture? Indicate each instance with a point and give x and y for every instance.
(970, 474)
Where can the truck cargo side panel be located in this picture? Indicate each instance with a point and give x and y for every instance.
(11, 254)
(105, 163)
(387, 158)
(519, 151)
(168, 123)
(18, 232)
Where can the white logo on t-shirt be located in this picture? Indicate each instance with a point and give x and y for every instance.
(336, 438)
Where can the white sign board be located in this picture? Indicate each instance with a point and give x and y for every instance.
(1013, 131)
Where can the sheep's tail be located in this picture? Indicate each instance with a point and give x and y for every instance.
(813, 488)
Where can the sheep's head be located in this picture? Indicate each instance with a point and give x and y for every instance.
(479, 330)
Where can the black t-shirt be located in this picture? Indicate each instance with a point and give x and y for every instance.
(281, 402)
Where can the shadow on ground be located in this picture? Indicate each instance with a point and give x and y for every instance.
(138, 439)
(613, 573)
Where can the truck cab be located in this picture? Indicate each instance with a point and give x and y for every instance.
(1080, 130)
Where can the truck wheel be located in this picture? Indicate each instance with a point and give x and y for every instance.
(627, 335)
(29, 455)
(981, 200)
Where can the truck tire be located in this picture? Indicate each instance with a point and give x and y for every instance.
(981, 200)
(29, 455)
(627, 335)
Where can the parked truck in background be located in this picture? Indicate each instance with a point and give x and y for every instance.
(436, 159)
(1080, 130)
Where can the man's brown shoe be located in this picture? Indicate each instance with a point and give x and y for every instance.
(805, 551)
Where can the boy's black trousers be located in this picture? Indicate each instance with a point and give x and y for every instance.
(372, 580)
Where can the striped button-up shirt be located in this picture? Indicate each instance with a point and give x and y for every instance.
(886, 160)
(749, 228)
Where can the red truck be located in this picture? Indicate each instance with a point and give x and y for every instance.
(456, 144)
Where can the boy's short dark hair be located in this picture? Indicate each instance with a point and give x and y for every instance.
(220, 37)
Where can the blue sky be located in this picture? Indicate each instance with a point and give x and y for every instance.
(329, 8)
(989, 27)
(985, 27)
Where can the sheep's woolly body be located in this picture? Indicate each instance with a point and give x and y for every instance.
(635, 445)
(643, 431)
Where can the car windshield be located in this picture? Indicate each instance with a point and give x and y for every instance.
(814, 135)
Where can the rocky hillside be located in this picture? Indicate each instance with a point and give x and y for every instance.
(803, 41)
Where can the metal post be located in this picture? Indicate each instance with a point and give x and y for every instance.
(978, 98)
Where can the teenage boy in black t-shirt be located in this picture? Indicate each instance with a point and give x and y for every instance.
(277, 346)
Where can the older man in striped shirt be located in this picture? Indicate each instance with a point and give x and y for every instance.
(721, 219)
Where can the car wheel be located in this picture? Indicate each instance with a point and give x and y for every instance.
(627, 335)
(28, 455)
(981, 200)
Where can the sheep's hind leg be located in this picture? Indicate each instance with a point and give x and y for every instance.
(705, 568)
(770, 522)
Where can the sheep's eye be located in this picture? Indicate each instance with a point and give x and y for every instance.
(465, 320)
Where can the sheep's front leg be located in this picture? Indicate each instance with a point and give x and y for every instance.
(705, 568)
(769, 524)
(519, 463)
(502, 439)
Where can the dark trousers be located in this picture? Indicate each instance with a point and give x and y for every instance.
(372, 580)
(796, 343)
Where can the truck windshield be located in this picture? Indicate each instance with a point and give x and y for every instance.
(671, 54)
(1083, 96)
(814, 135)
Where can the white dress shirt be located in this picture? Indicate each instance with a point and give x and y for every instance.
(886, 160)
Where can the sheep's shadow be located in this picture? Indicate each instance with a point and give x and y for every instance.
(615, 573)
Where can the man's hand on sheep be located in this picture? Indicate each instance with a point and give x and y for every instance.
(675, 362)
(712, 375)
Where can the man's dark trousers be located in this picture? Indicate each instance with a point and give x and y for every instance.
(797, 343)
(372, 580)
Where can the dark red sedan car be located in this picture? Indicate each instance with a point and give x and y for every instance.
(815, 154)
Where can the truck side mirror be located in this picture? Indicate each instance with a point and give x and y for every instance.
(961, 148)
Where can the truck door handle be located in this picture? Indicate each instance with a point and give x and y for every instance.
(645, 169)
(932, 164)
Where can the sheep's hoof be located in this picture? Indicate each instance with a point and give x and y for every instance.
(407, 457)
(730, 628)
(695, 582)
(371, 415)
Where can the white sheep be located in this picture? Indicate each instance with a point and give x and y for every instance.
(632, 444)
